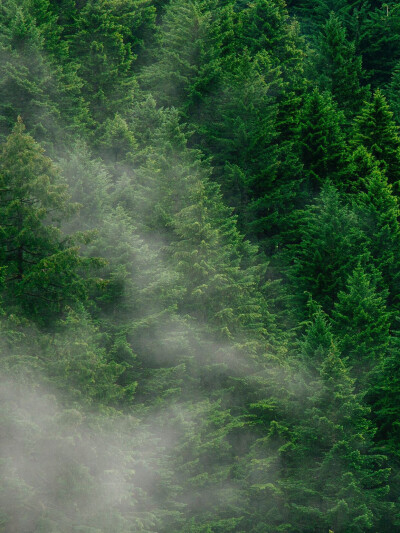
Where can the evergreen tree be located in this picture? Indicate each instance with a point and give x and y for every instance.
(376, 130)
(236, 121)
(379, 41)
(317, 470)
(379, 214)
(393, 92)
(333, 478)
(340, 67)
(318, 340)
(105, 59)
(323, 148)
(331, 245)
(180, 80)
(361, 321)
(37, 82)
(42, 267)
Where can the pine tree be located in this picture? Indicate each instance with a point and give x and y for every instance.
(116, 142)
(218, 267)
(181, 79)
(42, 266)
(361, 167)
(340, 67)
(341, 482)
(105, 59)
(316, 470)
(265, 25)
(26, 83)
(393, 93)
(376, 130)
(331, 245)
(38, 82)
(318, 340)
(236, 121)
(379, 214)
(379, 41)
(323, 148)
(361, 320)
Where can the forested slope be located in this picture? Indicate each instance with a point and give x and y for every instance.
(199, 266)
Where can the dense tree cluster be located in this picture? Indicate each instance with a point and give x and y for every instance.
(199, 266)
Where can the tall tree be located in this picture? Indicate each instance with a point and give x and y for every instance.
(361, 321)
(323, 147)
(376, 130)
(182, 79)
(36, 79)
(331, 245)
(42, 266)
(340, 67)
(378, 212)
(105, 59)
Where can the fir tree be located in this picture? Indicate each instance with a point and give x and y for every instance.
(331, 246)
(37, 80)
(105, 60)
(180, 80)
(323, 148)
(340, 67)
(379, 214)
(361, 320)
(379, 41)
(42, 267)
(376, 130)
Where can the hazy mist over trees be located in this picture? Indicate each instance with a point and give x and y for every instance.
(199, 266)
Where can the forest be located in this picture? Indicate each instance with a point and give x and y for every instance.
(199, 266)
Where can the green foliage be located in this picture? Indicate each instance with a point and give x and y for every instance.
(179, 79)
(225, 370)
(379, 213)
(340, 67)
(42, 268)
(37, 82)
(361, 321)
(376, 130)
(105, 59)
(323, 147)
(331, 246)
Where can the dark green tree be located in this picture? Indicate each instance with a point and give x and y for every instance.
(393, 91)
(376, 130)
(331, 245)
(37, 80)
(361, 321)
(322, 141)
(340, 67)
(105, 59)
(334, 480)
(42, 266)
(181, 79)
(378, 211)
(379, 41)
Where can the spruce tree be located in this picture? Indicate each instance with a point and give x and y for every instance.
(361, 321)
(376, 130)
(180, 80)
(38, 80)
(340, 67)
(323, 148)
(378, 211)
(379, 41)
(42, 265)
(105, 59)
(341, 481)
(239, 118)
(331, 244)
(393, 93)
